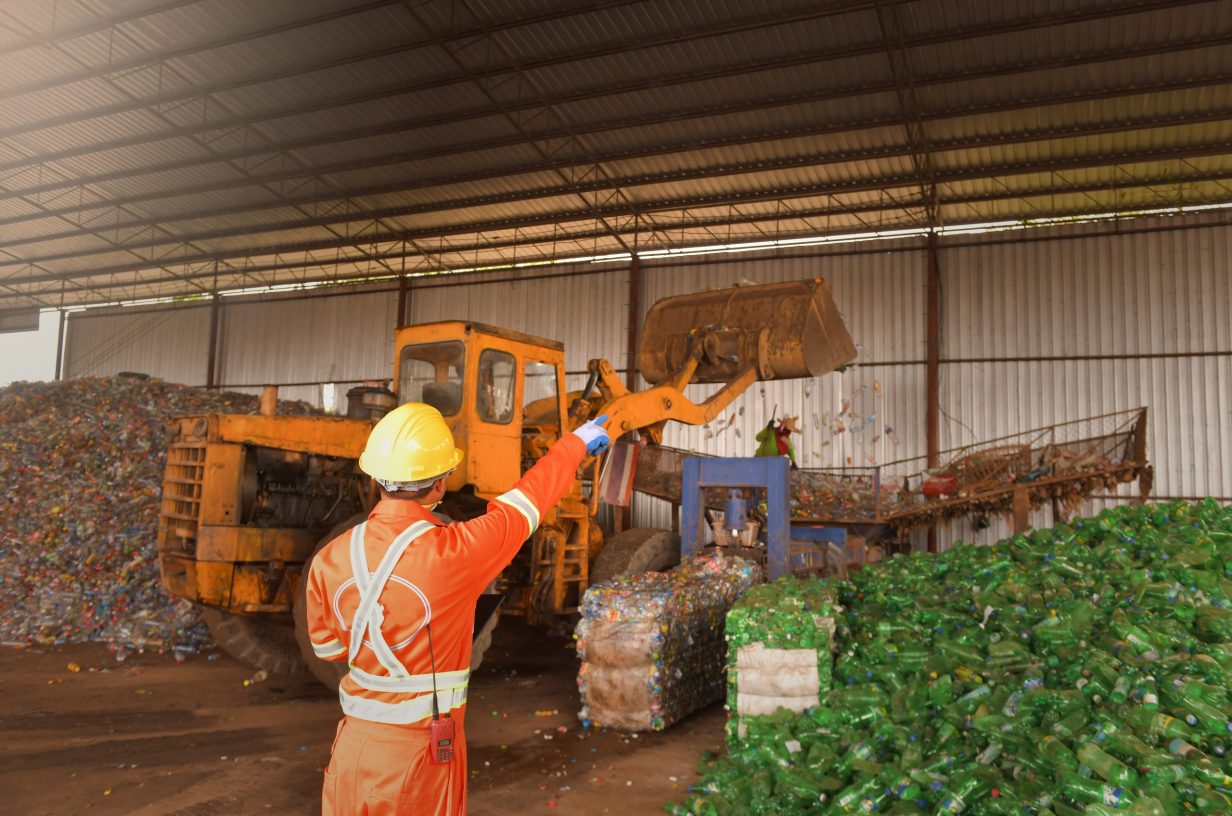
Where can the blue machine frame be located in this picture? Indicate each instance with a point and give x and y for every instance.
(767, 473)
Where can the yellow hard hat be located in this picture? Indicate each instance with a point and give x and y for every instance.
(411, 443)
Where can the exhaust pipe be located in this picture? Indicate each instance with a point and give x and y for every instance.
(269, 400)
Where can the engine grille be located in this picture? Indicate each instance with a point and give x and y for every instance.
(181, 507)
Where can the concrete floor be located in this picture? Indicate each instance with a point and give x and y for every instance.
(150, 736)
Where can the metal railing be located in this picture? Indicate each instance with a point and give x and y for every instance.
(1093, 450)
(1082, 455)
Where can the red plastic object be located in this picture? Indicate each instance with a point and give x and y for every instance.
(940, 485)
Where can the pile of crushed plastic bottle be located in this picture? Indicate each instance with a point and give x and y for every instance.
(81, 468)
(1082, 669)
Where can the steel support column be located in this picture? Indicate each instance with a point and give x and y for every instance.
(635, 308)
(932, 407)
(623, 516)
(215, 304)
(401, 319)
(60, 332)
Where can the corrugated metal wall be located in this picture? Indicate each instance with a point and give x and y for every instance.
(843, 417)
(332, 339)
(171, 344)
(1033, 332)
(587, 311)
(1073, 328)
(303, 340)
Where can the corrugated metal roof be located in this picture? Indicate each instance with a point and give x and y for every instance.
(222, 130)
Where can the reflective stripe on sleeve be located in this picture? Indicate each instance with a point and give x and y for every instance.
(517, 500)
(328, 649)
(411, 711)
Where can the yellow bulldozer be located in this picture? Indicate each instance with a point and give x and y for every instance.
(248, 499)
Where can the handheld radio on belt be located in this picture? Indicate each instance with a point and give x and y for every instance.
(441, 729)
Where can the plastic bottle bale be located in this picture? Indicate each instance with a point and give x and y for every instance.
(651, 645)
(780, 638)
(619, 643)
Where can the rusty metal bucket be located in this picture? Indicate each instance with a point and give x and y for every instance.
(787, 330)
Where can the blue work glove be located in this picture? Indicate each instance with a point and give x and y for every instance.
(593, 435)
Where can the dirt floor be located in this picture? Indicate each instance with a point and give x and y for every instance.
(151, 736)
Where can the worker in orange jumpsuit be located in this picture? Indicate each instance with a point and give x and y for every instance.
(395, 597)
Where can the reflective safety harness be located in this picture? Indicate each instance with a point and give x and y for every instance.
(366, 628)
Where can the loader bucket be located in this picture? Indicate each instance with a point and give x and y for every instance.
(787, 330)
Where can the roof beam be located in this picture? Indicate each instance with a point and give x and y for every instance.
(904, 205)
(464, 36)
(828, 55)
(485, 85)
(349, 213)
(99, 234)
(667, 207)
(102, 24)
(607, 126)
(163, 56)
(899, 59)
(476, 247)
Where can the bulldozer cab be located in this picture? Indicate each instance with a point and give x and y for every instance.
(501, 392)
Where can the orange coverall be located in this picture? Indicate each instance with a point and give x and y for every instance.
(380, 763)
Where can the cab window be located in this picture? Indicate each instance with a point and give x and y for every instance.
(539, 403)
(495, 387)
(433, 373)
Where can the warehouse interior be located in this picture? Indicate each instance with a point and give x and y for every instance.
(1021, 211)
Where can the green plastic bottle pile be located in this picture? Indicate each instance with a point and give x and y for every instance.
(1083, 669)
